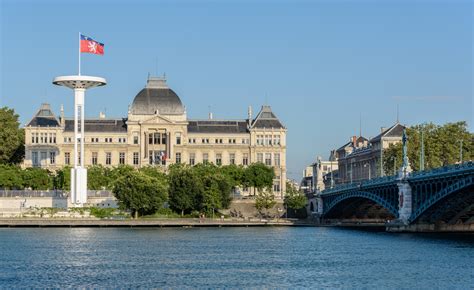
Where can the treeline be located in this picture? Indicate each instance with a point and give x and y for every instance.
(186, 189)
(443, 145)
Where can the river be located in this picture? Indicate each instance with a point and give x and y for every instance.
(282, 257)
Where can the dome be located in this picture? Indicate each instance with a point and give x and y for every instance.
(157, 97)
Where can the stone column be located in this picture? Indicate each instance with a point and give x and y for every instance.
(404, 201)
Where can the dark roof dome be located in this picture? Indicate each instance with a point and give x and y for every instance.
(157, 97)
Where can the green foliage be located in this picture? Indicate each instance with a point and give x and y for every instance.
(101, 212)
(10, 177)
(294, 199)
(37, 178)
(62, 179)
(12, 138)
(98, 177)
(265, 200)
(152, 171)
(185, 188)
(259, 176)
(140, 193)
(441, 146)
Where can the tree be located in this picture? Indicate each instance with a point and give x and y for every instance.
(259, 176)
(10, 177)
(140, 193)
(62, 179)
(37, 178)
(12, 138)
(185, 189)
(265, 200)
(441, 146)
(294, 199)
(98, 177)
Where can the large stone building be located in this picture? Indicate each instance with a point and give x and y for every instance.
(157, 132)
(361, 159)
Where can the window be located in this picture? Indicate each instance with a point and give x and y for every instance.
(259, 139)
(245, 141)
(41, 138)
(108, 158)
(260, 157)
(205, 140)
(178, 138)
(32, 137)
(163, 138)
(36, 138)
(276, 140)
(232, 158)
(34, 158)
(122, 140)
(192, 158)
(67, 158)
(135, 139)
(276, 187)
(122, 158)
(54, 138)
(268, 159)
(94, 158)
(150, 138)
(232, 141)
(245, 159)
(178, 157)
(43, 158)
(218, 159)
(205, 158)
(219, 141)
(192, 140)
(157, 138)
(268, 140)
(276, 157)
(135, 158)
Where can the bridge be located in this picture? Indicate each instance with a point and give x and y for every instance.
(442, 197)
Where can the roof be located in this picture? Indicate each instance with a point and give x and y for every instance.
(395, 131)
(217, 126)
(157, 97)
(266, 119)
(44, 117)
(101, 125)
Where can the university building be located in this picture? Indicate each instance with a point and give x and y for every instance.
(157, 132)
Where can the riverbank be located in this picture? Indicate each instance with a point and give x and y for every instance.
(181, 222)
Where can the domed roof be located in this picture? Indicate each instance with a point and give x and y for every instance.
(157, 97)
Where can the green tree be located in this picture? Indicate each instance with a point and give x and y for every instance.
(10, 177)
(264, 200)
(113, 174)
(37, 178)
(140, 193)
(259, 176)
(62, 179)
(185, 189)
(293, 198)
(98, 177)
(12, 138)
(441, 146)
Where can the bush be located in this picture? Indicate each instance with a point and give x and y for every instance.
(101, 212)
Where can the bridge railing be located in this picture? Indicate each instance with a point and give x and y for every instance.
(374, 181)
(440, 170)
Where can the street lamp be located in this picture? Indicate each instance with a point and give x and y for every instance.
(365, 165)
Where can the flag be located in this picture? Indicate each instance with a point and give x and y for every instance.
(89, 45)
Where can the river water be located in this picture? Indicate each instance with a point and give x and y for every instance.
(281, 257)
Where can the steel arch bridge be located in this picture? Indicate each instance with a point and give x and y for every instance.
(444, 194)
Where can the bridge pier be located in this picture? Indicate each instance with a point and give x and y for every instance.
(404, 201)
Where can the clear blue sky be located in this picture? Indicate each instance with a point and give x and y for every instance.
(319, 64)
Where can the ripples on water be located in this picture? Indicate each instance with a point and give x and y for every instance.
(233, 257)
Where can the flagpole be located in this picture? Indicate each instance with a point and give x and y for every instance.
(79, 53)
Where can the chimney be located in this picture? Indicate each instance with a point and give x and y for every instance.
(249, 112)
(101, 115)
(354, 140)
(62, 116)
(382, 129)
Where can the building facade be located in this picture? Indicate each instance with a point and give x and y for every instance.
(157, 132)
(361, 159)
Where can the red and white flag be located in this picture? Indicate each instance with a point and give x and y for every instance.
(89, 45)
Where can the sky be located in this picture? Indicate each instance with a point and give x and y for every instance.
(324, 67)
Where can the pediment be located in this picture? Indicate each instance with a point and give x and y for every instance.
(157, 119)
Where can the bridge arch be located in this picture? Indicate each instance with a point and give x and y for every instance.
(331, 204)
(445, 192)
